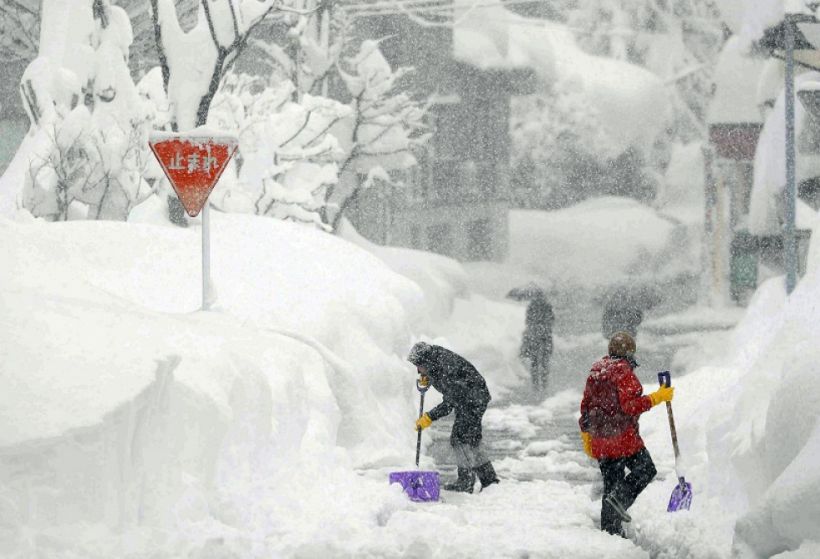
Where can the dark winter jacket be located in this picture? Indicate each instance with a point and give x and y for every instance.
(613, 400)
(461, 385)
(537, 339)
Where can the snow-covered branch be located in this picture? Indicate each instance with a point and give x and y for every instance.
(194, 62)
(19, 30)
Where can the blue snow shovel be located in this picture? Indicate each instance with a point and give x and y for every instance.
(681, 498)
(419, 485)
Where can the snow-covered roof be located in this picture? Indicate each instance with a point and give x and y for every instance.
(736, 79)
(750, 18)
(631, 100)
(493, 37)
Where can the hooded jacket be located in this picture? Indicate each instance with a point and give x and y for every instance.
(458, 381)
(613, 400)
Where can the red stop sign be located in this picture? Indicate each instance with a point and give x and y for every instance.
(193, 164)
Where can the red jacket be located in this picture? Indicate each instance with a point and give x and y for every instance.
(613, 401)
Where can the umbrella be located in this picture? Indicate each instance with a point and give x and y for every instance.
(526, 292)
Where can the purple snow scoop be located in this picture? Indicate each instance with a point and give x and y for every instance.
(681, 498)
(419, 485)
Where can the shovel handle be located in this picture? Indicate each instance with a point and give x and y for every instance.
(665, 379)
(421, 412)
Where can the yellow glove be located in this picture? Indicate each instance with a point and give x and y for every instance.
(424, 381)
(423, 422)
(586, 438)
(662, 394)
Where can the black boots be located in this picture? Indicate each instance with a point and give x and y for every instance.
(486, 474)
(619, 509)
(464, 483)
(466, 478)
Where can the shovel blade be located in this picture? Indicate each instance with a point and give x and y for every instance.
(418, 485)
(681, 498)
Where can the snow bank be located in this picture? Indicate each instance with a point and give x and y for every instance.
(598, 242)
(124, 408)
(750, 434)
(442, 279)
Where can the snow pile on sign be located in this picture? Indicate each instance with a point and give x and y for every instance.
(598, 242)
(631, 101)
(750, 435)
(122, 406)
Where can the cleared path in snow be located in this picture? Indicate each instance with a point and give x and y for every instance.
(549, 486)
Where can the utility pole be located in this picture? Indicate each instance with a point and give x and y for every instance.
(789, 240)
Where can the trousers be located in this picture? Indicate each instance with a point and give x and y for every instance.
(624, 487)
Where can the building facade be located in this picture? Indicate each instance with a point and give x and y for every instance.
(456, 200)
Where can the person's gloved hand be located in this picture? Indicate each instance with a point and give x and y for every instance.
(423, 422)
(586, 438)
(662, 394)
(424, 381)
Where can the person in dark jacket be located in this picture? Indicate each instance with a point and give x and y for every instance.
(612, 403)
(620, 316)
(536, 345)
(465, 393)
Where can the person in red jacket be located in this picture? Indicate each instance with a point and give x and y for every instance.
(612, 403)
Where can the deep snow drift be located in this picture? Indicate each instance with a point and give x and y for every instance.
(749, 428)
(124, 406)
(135, 425)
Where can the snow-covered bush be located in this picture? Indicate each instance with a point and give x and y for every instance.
(287, 158)
(91, 122)
(552, 134)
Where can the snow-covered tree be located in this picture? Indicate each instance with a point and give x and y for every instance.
(287, 158)
(561, 154)
(194, 62)
(552, 136)
(384, 124)
(676, 39)
(384, 130)
(89, 124)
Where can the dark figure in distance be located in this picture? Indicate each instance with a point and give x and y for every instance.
(620, 316)
(465, 393)
(612, 403)
(536, 345)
